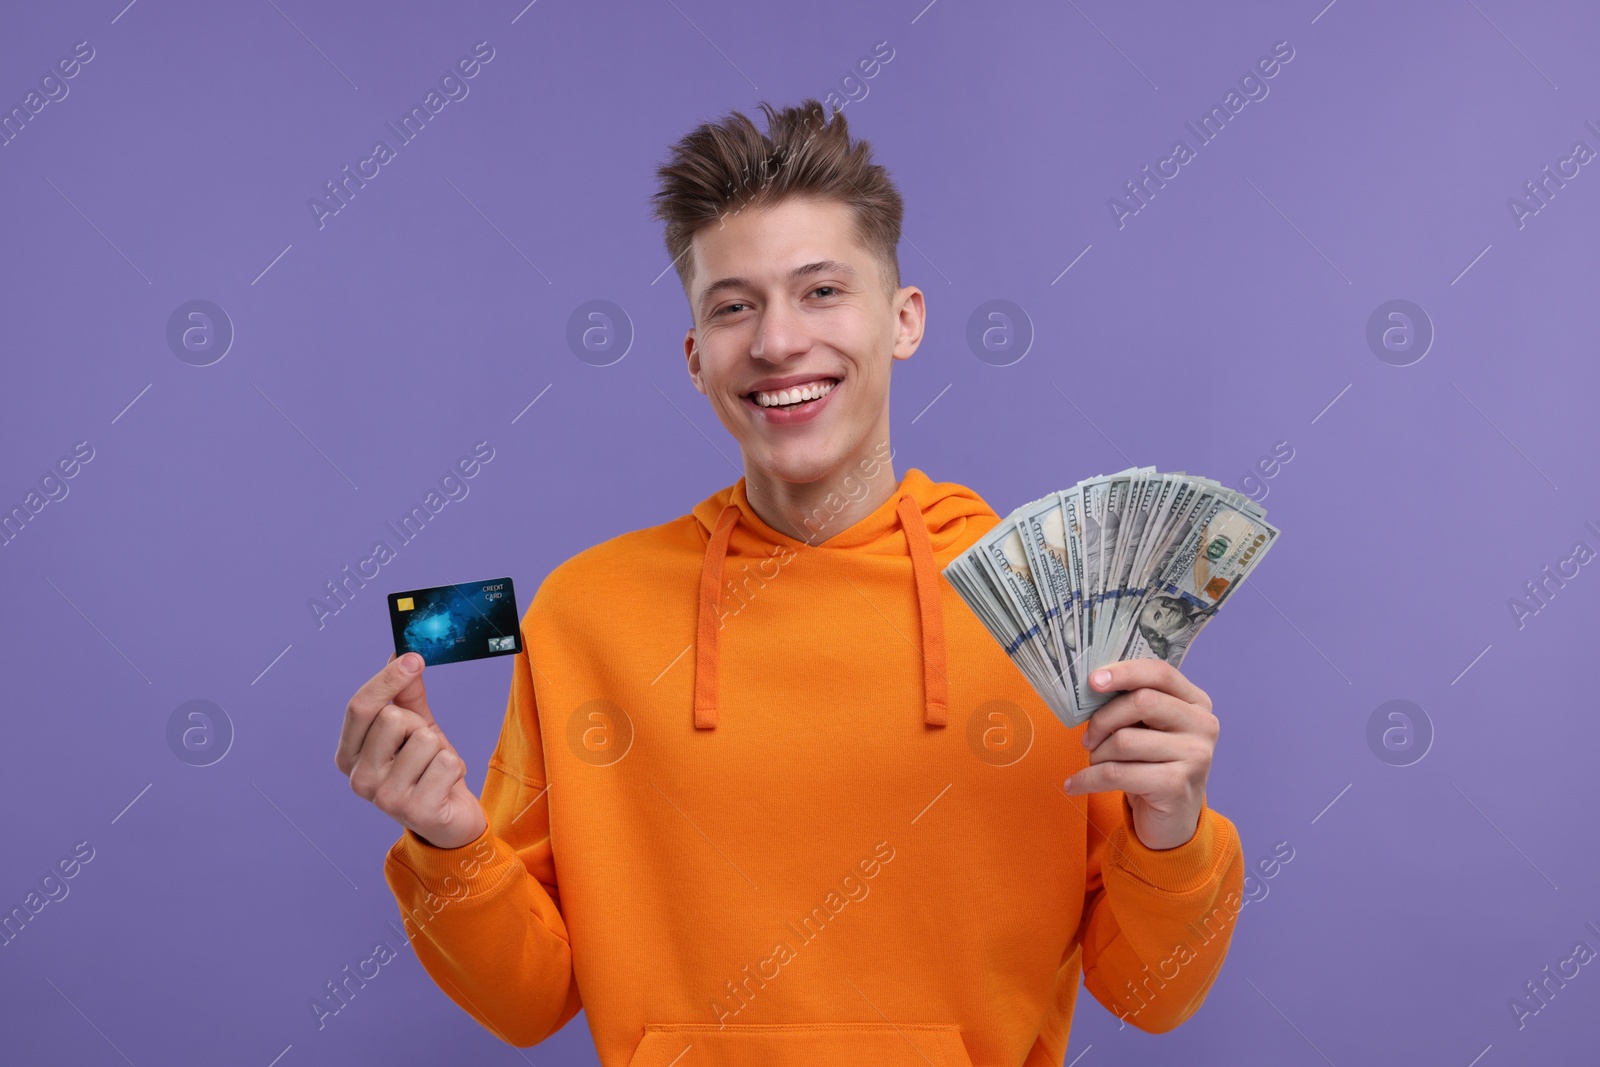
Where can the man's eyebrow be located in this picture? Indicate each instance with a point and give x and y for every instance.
(821, 266)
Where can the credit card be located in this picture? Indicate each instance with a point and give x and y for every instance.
(449, 623)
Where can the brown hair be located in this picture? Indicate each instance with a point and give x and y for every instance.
(723, 167)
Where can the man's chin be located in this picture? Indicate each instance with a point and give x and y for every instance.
(795, 466)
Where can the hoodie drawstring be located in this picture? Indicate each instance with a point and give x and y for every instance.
(935, 705)
(924, 570)
(710, 622)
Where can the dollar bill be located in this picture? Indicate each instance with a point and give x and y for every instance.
(1215, 557)
(1129, 565)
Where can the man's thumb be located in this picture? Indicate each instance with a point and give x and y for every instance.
(408, 675)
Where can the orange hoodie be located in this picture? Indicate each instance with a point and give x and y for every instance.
(769, 802)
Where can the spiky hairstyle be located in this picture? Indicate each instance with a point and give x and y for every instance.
(723, 167)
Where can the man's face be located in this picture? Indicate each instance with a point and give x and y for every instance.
(1163, 615)
(787, 305)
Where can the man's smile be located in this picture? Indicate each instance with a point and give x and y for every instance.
(790, 393)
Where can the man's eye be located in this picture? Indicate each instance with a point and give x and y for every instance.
(730, 307)
(820, 288)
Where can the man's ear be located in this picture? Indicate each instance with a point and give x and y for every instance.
(910, 322)
(691, 350)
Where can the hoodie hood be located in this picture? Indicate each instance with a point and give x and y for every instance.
(929, 522)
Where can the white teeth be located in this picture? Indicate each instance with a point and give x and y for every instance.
(809, 391)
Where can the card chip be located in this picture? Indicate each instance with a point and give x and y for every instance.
(403, 604)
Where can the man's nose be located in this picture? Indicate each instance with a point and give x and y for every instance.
(780, 333)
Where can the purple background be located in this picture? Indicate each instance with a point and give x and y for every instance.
(1228, 315)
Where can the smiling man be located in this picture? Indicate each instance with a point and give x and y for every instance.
(766, 791)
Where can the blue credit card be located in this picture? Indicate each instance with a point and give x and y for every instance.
(449, 623)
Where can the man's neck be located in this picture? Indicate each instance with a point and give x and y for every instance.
(814, 511)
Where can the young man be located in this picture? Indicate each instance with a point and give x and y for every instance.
(766, 791)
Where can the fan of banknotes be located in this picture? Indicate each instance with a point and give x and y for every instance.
(1129, 565)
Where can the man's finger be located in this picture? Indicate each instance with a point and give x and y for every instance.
(1147, 673)
(385, 738)
(419, 749)
(1135, 779)
(413, 696)
(1154, 708)
(444, 770)
(395, 684)
(400, 682)
(1135, 745)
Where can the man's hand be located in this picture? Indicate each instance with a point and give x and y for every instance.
(1153, 742)
(397, 757)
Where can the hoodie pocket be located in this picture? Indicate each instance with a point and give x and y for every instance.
(800, 1045)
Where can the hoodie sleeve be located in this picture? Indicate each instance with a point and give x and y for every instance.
(1156, 922)
(485, 919)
